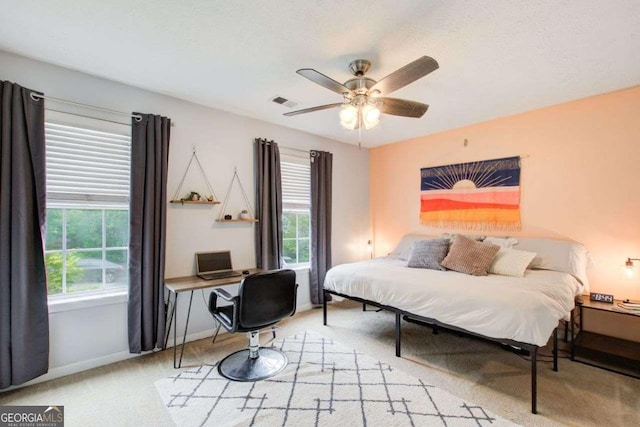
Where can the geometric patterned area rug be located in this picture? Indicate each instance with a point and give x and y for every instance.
(324, 384)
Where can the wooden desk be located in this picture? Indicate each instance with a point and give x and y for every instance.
(176, 286)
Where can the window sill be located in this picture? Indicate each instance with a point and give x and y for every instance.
(297, 267)
(87, 301)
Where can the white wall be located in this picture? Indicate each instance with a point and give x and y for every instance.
(93, 335)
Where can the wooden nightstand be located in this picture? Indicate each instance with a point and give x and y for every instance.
(602, 350)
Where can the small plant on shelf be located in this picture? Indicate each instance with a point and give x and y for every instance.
(194, 196)
(245, 215)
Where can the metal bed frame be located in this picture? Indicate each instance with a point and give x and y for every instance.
(414, 318)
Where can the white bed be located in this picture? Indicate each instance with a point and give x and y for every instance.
(520, 309)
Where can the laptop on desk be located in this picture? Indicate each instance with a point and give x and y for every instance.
(215, 265)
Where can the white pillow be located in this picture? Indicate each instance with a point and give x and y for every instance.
(451, 236)
(566, 256)
(511, 262)
(403, 250)
(503, 242)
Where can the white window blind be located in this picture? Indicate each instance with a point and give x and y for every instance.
(296, 185)
(87, 165)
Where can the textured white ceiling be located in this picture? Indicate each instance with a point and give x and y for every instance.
(497, 57)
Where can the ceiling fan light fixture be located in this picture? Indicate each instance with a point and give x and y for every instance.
(349, 126)
(370, 116)
(348, 116)
(369, 125)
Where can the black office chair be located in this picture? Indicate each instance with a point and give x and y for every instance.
(263, 300)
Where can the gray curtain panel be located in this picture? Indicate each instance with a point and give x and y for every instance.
(24, 318)
(268, 182)
(321, 171)
(148, 217)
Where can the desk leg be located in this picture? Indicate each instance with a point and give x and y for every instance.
(184, 337)
(217, 331)
(173, 312)
(175, 327)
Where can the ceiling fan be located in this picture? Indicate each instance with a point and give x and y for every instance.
(365, 99)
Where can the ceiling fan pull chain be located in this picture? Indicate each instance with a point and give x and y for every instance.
(359, 130)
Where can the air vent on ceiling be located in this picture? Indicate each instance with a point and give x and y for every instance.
(284, 101)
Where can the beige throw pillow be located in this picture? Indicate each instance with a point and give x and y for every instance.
(469, 256)
(511, 262)
(505, 242)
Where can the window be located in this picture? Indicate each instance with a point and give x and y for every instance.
(87, 228)
(296, 204)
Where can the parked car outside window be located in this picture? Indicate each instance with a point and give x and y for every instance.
(92, 268)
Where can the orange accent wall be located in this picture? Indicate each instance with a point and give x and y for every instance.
(580, 179)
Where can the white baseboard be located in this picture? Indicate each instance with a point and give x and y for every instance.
(304, 307)
(85, 365)
(76, 367)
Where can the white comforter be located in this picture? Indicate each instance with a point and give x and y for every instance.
(521, 309)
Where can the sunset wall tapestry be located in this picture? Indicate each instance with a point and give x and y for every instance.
(482, 195)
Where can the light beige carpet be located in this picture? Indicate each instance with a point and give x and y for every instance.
(123, 394)
(324, 384)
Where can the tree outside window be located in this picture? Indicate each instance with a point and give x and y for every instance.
(86, 249)
(295, 236)
(296, 203)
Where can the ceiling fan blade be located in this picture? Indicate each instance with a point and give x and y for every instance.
(402, 107)
(312, 109)
(323, 80)
(405, 75)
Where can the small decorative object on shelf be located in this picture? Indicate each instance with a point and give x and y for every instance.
(245, 215)
(194, 197)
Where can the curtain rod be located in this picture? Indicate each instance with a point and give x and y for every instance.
(287, 148)
(296, 149)
(87, 117)
(312, 153)
(35, 96)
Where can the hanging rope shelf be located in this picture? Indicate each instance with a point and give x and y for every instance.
(246, 215)
(194, 197)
